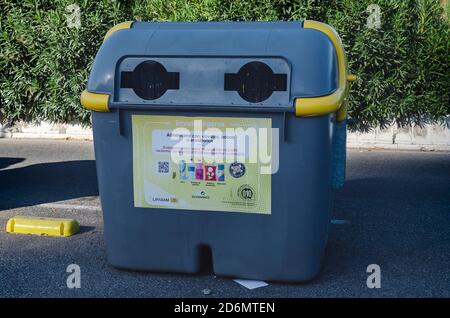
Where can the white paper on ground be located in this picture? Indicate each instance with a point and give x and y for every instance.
(251, 284)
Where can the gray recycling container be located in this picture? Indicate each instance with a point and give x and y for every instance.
(181, 207)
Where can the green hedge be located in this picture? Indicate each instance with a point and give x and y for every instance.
(403, 67)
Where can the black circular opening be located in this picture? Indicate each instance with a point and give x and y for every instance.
(256, 82)
(150, 80)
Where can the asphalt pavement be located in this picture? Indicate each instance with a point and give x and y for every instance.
(394, 211)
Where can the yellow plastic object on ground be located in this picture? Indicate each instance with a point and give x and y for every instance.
(42, 226)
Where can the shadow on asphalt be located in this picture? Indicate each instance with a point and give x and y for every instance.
(397, 216)
(396, 206)
(45, 182)
(86, 229)
(6, 162)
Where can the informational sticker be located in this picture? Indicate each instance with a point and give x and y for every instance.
(202, 163)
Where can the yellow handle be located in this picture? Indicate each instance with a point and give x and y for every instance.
(352, 78)
(316, 106)
(94, 101)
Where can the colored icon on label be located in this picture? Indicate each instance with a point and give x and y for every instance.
(220, 172)
(199, 171)
(237, 169)
(191, 171)
(210, 173)
(182, 170)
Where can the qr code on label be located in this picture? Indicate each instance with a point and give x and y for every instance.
(163, 166)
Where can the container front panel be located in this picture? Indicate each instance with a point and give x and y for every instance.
(286, 244)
